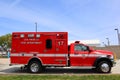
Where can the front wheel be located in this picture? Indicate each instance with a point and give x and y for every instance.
(104, 67)
(34, 67)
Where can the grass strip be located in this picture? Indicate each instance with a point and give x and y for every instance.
(59, 77)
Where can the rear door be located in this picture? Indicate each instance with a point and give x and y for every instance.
(14, 56)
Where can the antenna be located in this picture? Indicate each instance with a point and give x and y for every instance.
(36, 26)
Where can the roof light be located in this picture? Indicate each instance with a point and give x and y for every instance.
(22, 35)
(37, 35)
(30, 35)
(77, 41)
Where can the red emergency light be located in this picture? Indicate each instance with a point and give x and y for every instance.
(77, 41)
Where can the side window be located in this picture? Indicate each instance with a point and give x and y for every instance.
(79, 47)
(48, 43)
(84, 48)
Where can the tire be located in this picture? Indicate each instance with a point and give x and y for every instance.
(104, 67)
(34, 67)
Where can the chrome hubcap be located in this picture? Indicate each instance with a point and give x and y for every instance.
(105, 67)
(34, 67)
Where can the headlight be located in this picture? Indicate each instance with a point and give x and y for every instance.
(110, 56)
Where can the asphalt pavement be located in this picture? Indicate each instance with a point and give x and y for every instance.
(15, 69)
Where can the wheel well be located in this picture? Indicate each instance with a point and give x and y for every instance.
(34, 59)
(100, 60)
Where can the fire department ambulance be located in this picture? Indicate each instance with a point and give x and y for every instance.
(37, 50)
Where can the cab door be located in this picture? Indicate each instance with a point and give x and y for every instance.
(79, 56)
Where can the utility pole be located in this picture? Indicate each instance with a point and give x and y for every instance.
(104, 44)
(118, 35)
(36, 26)
(108, 41)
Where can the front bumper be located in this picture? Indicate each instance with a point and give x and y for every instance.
(113, 62)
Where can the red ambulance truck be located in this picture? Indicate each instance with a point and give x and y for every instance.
(38, 50)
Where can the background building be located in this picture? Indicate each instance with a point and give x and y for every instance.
(95, 43)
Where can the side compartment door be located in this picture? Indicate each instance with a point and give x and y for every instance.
(61, 52)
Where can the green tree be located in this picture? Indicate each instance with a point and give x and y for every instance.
(5, 41)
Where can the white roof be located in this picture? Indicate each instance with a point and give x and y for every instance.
(86, 41)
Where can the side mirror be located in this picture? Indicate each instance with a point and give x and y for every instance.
(91, 49)
(88, 48)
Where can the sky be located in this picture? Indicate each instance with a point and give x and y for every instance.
(82, 19)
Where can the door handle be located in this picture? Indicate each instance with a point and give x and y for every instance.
(83, 55)
(76, 53)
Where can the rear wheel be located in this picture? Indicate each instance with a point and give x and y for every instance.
(34, 67)
(104, 67)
